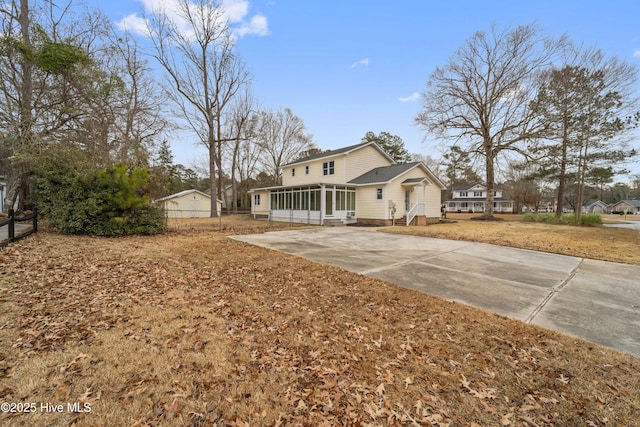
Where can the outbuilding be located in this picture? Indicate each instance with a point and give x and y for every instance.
(188, 204)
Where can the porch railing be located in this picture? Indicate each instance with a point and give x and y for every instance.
(416, 209)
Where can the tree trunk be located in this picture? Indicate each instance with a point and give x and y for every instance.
(212, 181)
(234, 185)
(488, 209)
(563, 168)
(18, 191)
(581, 178)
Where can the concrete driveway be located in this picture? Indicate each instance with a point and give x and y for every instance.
(595, 300)
(634, 225)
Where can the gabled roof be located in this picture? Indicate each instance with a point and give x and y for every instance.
(413, 180)
(634, 203)
(341, 151)
(594, 202)
(184, 193)
(468, 187)
(385, 174)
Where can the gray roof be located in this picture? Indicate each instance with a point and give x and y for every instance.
(336, 152)
(383, 174)
(413, 180)
(593, 202)
(634, 203)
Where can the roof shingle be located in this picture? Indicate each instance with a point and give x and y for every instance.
(383, 174)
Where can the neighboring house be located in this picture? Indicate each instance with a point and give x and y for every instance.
(628, 206)
(595, 206)
(188, 204)
(355, 184)
(227, 196)
(473, 198)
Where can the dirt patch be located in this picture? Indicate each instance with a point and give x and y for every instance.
(192, 328)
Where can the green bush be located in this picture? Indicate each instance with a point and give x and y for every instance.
(79, 200)
(549, 217)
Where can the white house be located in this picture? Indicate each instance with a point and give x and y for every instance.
(188, 204)
(355, 184)
(473, 198)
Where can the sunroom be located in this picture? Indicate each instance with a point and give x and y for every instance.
(312, 204)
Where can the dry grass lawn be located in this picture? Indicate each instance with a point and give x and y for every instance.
(603, 243)
(194, 329)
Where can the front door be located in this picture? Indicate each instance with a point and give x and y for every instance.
(328, 202)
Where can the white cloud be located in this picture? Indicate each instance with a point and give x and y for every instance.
(235, 11)
(134, 24)
(258, 26)
(413, 97)
(636, 53)
(363, 62)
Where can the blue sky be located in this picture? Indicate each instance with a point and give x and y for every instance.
(347, 67)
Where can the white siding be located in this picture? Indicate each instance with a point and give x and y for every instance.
(346, 167)
(434, 201)
(367, 206)
(263, 207)
(190, 205)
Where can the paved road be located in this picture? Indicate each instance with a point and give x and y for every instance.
(595, 300)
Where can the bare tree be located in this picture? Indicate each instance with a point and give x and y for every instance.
(197, 52)
(140, 117)
(241, 122)
(480, 99)
(282, 136)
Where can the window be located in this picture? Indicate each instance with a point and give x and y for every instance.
(463, 194)
(328, 168)
(306, 170)
(378, 193)
(293, 171)
(256, 200)
(477, 194)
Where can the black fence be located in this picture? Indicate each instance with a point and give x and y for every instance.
(12, 221)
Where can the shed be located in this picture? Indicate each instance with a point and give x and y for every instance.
(188, 204)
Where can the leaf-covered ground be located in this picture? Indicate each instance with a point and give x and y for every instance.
(194, 329)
